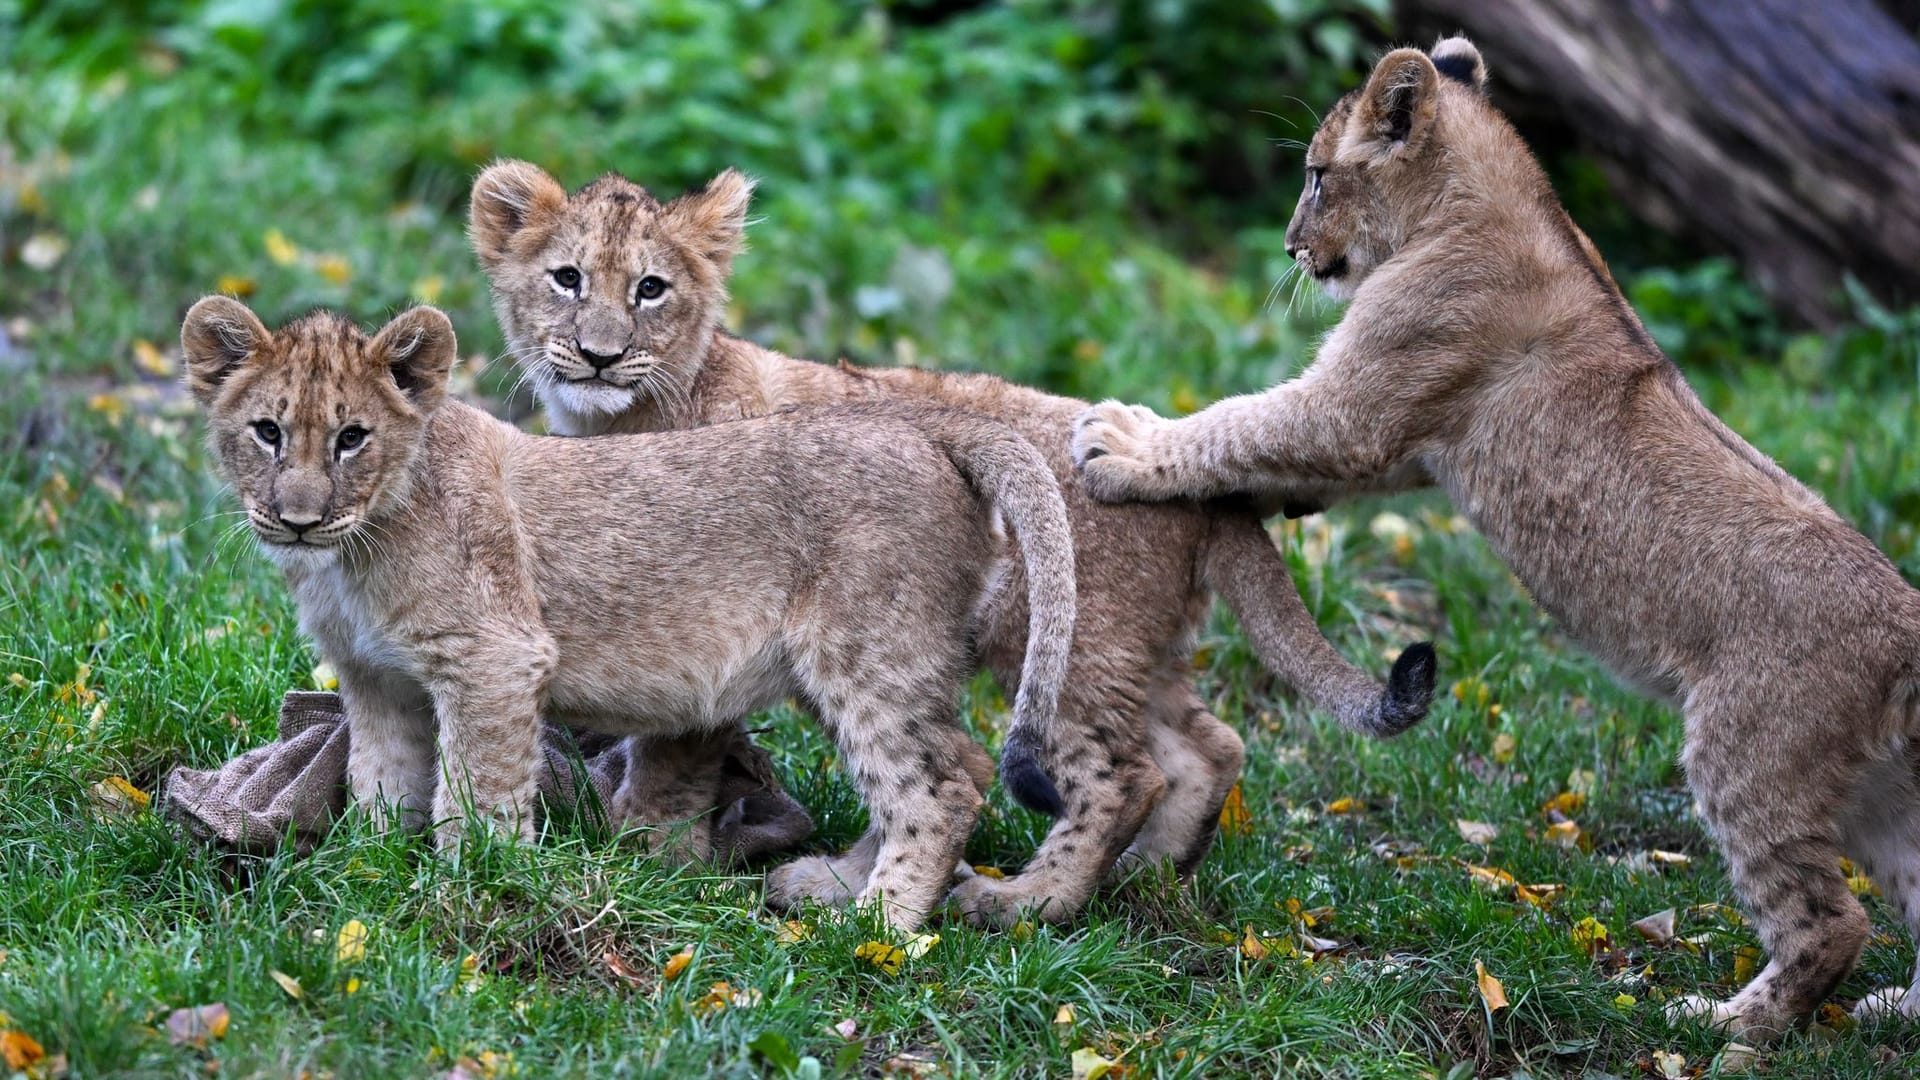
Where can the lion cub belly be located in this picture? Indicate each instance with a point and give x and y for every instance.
(708, 683)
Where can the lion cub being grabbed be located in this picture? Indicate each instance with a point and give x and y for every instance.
(465, 578)
(1488, 351)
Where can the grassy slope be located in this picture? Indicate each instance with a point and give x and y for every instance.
(113, 558)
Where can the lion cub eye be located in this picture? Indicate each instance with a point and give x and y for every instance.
(350, 438)
(267, 432)
(566, 277)
(650, 288)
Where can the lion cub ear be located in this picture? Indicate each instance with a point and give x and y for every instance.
(714, 219)
(217, 336)
(1397, 106)
(419, 349)
(1457, 59)
(507, 198)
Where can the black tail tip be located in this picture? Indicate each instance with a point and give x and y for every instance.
(1027, 782)
(1409, 688)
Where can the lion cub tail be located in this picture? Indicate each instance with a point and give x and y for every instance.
(1241, 566)
(1009, 471)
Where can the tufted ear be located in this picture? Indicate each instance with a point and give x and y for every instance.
(419, 349)
(217, 336)
(507, 198)
(1457, 59)
(714, 219)
(1397, 106)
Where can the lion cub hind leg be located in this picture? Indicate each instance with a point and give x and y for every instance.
(1110, 786)
(487, 691)
(1770, 792)
(1201, 758)
(1883, 838)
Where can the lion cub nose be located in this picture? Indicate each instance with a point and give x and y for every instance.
(598, 360)
(299, 523)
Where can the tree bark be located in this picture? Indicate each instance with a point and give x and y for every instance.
(1786, 132)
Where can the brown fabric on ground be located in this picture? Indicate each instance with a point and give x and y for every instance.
(293, 788)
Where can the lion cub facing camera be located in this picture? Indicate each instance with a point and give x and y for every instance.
(1487, 350)
(466, 578)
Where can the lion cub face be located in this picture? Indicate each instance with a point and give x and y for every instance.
(1376, 164)
(619, 291)
(314, 427)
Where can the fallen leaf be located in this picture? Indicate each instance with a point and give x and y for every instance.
(1837, 1018)
(1492, 993)
(325, 678)
(1564, 834)
(847, 1029)
(468, 978)
(1235, 818)
(1590, 936)
(1252, 947)
(722, 996)
(1089, 1065)
(1504, 746)
(1566, 804)
(1658, 928)
(792, 932)
(1491, 877)
(993, 872)
(1347, 805)
(909, 1065)
(1581, 782)
(288, 983)
(618, 967)
(1671, 1066)
(917, 946)
(1625, 1002)
(352, 985)
(148, 358)
(235, 285)
(676, 964)
(1063, 1016)
(1737, 1058)
(43, 251)
(20, 1050)
(350, 945)
(117, 794)
(197, 1026)
(279, 248)
(1541, 896)
(1476, 832)
(887, 958)
(1746, 961)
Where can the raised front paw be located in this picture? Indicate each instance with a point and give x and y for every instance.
(819, 879)
(1113, 446)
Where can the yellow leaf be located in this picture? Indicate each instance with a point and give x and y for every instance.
(1252, 947)
(148, 358)
(352, 985)
(18, 680)
(335, 268)
(20, 1050)
(1477, 832)
(792, 932)
(1089, 1065)
(1492, 878)
(427, 290)
(1657, 928)
(324, 677)
(917, 946)
(280, 249)
(1491, 991)
(1837, 1018)
(1566, 804)
(1564, 834)
(1183, 399)
(677, 963)
(1582, 781)
(1670, 1066)
(1347, 805)
(1063, 1015)
(1746, 960)
(1540, 896)
(468, 978)
(993, 872)
(350, 945)
(288, 983)
(1235, 818)
(1504, 746)
(1625, 1002)
(235, 285)
(1862, 885)
(887, 958)
(1590, 936)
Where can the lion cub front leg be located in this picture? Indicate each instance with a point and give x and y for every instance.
(1305, 441)
(487, 696)
(390, 747)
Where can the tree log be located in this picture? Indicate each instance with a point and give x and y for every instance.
(1785, 132)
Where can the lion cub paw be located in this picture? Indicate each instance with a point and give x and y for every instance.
(1743, 1022)
(1894, 1001)
(986, 901)
(1112, 446)
(815, 878)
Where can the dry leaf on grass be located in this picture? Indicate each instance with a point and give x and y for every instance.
(1492, 992)
(1591, 936)
(1477, 832)
(1658, 928)
(1669, 1065)
(1088, 1064)
(20, 1050)
(1235, 818)
(617, 966)
(197, 1026)
(288, 983)
(676, 964)
(350, 945)
(887, 958)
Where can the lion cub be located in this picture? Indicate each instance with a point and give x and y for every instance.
(1487, 350)
(465, 578)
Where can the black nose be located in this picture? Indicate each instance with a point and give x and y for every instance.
(598, 360)
(1293, 251)
(297, 525)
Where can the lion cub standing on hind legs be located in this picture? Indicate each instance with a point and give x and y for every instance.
(611, 301)
(465, 578)
(1487, 350)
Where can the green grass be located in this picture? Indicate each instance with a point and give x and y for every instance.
(1060, 168)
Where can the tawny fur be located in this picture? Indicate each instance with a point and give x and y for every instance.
(465, 578)
(1487, 350)
(1138, 757)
